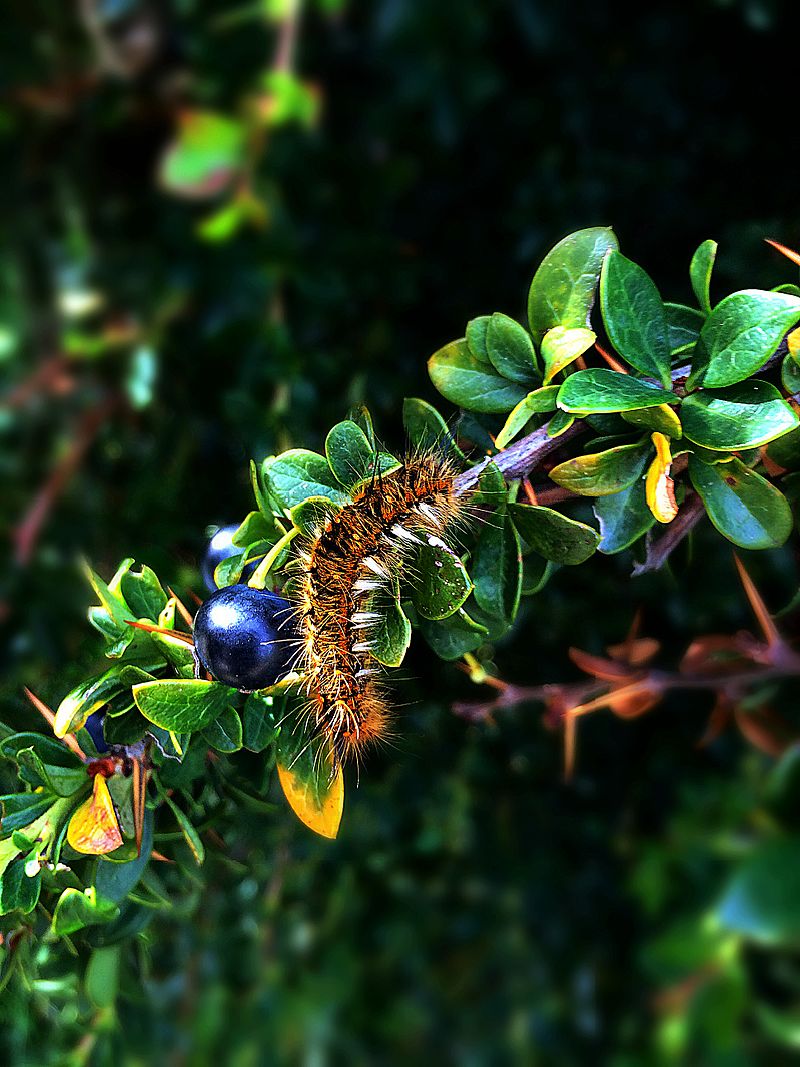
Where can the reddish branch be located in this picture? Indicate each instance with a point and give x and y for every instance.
(26, 534)
(624, 683)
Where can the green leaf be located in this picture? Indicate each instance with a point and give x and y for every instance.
(476, 337)
(183, 705)
(538, 401)
(205, 155)
(661, 419)
(623, 516)
(427, 429)
(259, 720)
(600, 389)
(536, 573)
(190, 834)
(359, 414)
(563, 288)
(312, 785)
(89, 696)
(497, 568)
(18, 892)
(560, 422)
(455, 636)
(634, 316)
(741, 334)
(700, 273)
(254, 527)
(762, 899)
(510, 350)
(177, 652)
(441, 583)
(743, 506)
(553, 535)
(349, 453)
(563, 345)
(76, 910)
(21, 809)
(102, 976)
(225, 732)
(143, 593)
(790, 375)
(470, 384)
(113, 881)
(785, 450)
(392, 634)
(298, 474)
(602, 473)
(41, 761)
(684, 325)
(741, 416)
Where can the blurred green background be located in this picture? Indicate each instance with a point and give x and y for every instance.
(221, 225)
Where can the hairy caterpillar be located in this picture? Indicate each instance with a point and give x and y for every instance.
(340, 568)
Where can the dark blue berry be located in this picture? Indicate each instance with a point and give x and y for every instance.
(94, 728)
(244, 637)
(221, 547)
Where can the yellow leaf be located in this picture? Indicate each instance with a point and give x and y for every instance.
(659, 487)
(320, 813)
(94, 828)
(793, 341)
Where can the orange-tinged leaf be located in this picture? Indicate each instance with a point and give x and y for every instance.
(604, 669)
(659, 487)
(635, 651)
(793, 344)
(94, 828)
(321, 812)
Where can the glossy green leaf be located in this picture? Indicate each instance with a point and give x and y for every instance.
(21, 809)
(76, 910)
(623, 517)
(553, 535)
(762, 899)
(298, 474)
(538, 401)
(225, 732)
(260, 716)
(496, 568)
(743, 506)
(254, 527)
(741, 333)
(427, 429)
(700, 273)
(464, 380)
(563, 289)
(741, 416)
(790, 375)
(18, 891)
(562, 345)
(89, 696)
(455, 636)
(510, 350)
(634, 316)
(661, 419)
(312, 785)
(190, 834)
(683, 325)
(476, 337)
(602, 390)
(785, 450)
(392, 634)
(183, 705)
(349, 453)
(561, 421)
(602, 473)
(441, 583)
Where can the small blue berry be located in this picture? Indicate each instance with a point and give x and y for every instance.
(244, 637)
(94, 728)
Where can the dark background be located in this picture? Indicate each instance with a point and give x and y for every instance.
(475, 910)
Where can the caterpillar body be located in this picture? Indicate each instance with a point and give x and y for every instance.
(341, 567)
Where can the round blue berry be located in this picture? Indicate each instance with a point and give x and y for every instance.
(94, 728)
(244, 637)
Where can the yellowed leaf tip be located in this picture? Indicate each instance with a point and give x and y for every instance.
(322, 816)
(94, 828)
